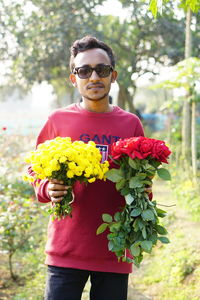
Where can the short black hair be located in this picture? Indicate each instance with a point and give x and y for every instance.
(86, 43)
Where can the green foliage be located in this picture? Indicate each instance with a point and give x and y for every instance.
(136, 227)
(174, 271)
(155, 5)
(164, 174)
(187, 197)
(34, 272)
(20, 230)
(15, 221)
(41, 40)
(185, 74)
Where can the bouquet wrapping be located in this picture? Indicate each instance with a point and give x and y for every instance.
(136, 226)
(67, 161)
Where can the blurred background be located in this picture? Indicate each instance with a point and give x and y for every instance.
(157, 49)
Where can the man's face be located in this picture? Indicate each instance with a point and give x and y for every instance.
(93, 88)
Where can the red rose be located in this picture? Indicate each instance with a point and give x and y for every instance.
(4, 128)
(160, 151)
(141, 148)
(133, 144)
(146, 147)
(117, 149)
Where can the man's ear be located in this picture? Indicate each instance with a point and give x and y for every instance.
(72, 78)
(114, 76)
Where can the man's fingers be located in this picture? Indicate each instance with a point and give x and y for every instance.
(148, 190)
(56, 194)
(56, 200)
(56, 181)
(57, 190)
(57, 187)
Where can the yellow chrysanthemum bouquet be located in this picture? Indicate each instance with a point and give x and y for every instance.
(67, 161)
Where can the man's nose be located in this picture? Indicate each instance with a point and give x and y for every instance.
(94, 75)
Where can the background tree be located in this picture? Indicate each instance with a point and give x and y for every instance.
(43, 31)
(43, 37)
(188, 126)
(186, 75)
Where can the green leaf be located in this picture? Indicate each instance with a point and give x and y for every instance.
(136, 212)
(153, 7)
(129, 199)
(161, 230)
(125, 191)
(117, 216)
(147, 246)
(101, 228)
(141, 224)
(154, 238)
(110, 245)
(132, 163)
(141, 175)
(161, 213)
(114, 175)
(144, 233)
(135, 250)
(163, 174)
(135, 225)
(115, 227)
(120, 184)
(147, 182)
(135, 182)
(148, 215)
(164, 239)
(107, 218)
(159, 210)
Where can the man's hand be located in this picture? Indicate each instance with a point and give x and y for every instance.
(57, 190)
(148, 189)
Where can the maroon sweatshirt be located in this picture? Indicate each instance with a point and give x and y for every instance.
(72, 242)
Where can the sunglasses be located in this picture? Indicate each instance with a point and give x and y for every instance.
(86, 71)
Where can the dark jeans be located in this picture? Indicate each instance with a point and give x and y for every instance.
(68, 284)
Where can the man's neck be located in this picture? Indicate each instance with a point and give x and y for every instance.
(101, 106)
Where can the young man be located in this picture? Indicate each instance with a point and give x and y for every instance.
(74, 251)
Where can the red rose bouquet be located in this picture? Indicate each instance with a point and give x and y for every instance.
(136, 227)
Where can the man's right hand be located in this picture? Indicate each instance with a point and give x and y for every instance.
(57, 190)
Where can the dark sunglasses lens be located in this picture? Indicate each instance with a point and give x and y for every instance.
(84, 72)
(103, 71)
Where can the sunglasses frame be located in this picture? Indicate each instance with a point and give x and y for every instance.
(75, 71)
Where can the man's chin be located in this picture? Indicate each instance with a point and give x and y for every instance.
(96, 97)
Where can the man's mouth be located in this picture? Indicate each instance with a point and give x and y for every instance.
(95, 86)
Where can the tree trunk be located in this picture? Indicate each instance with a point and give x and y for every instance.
(121, 98)
(193, 141)
(186, 132)
(186, 125)
(12, 275)
(192, 126)
(125, 100)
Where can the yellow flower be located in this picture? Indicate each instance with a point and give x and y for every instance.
(64, 158)
(70, 174)
(71, 165)
(92, 179)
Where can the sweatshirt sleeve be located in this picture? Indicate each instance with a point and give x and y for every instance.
(139, 131)
(40, 186)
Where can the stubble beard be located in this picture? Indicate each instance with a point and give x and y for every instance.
(95, 99)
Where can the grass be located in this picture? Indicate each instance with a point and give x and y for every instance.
(172, 272)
